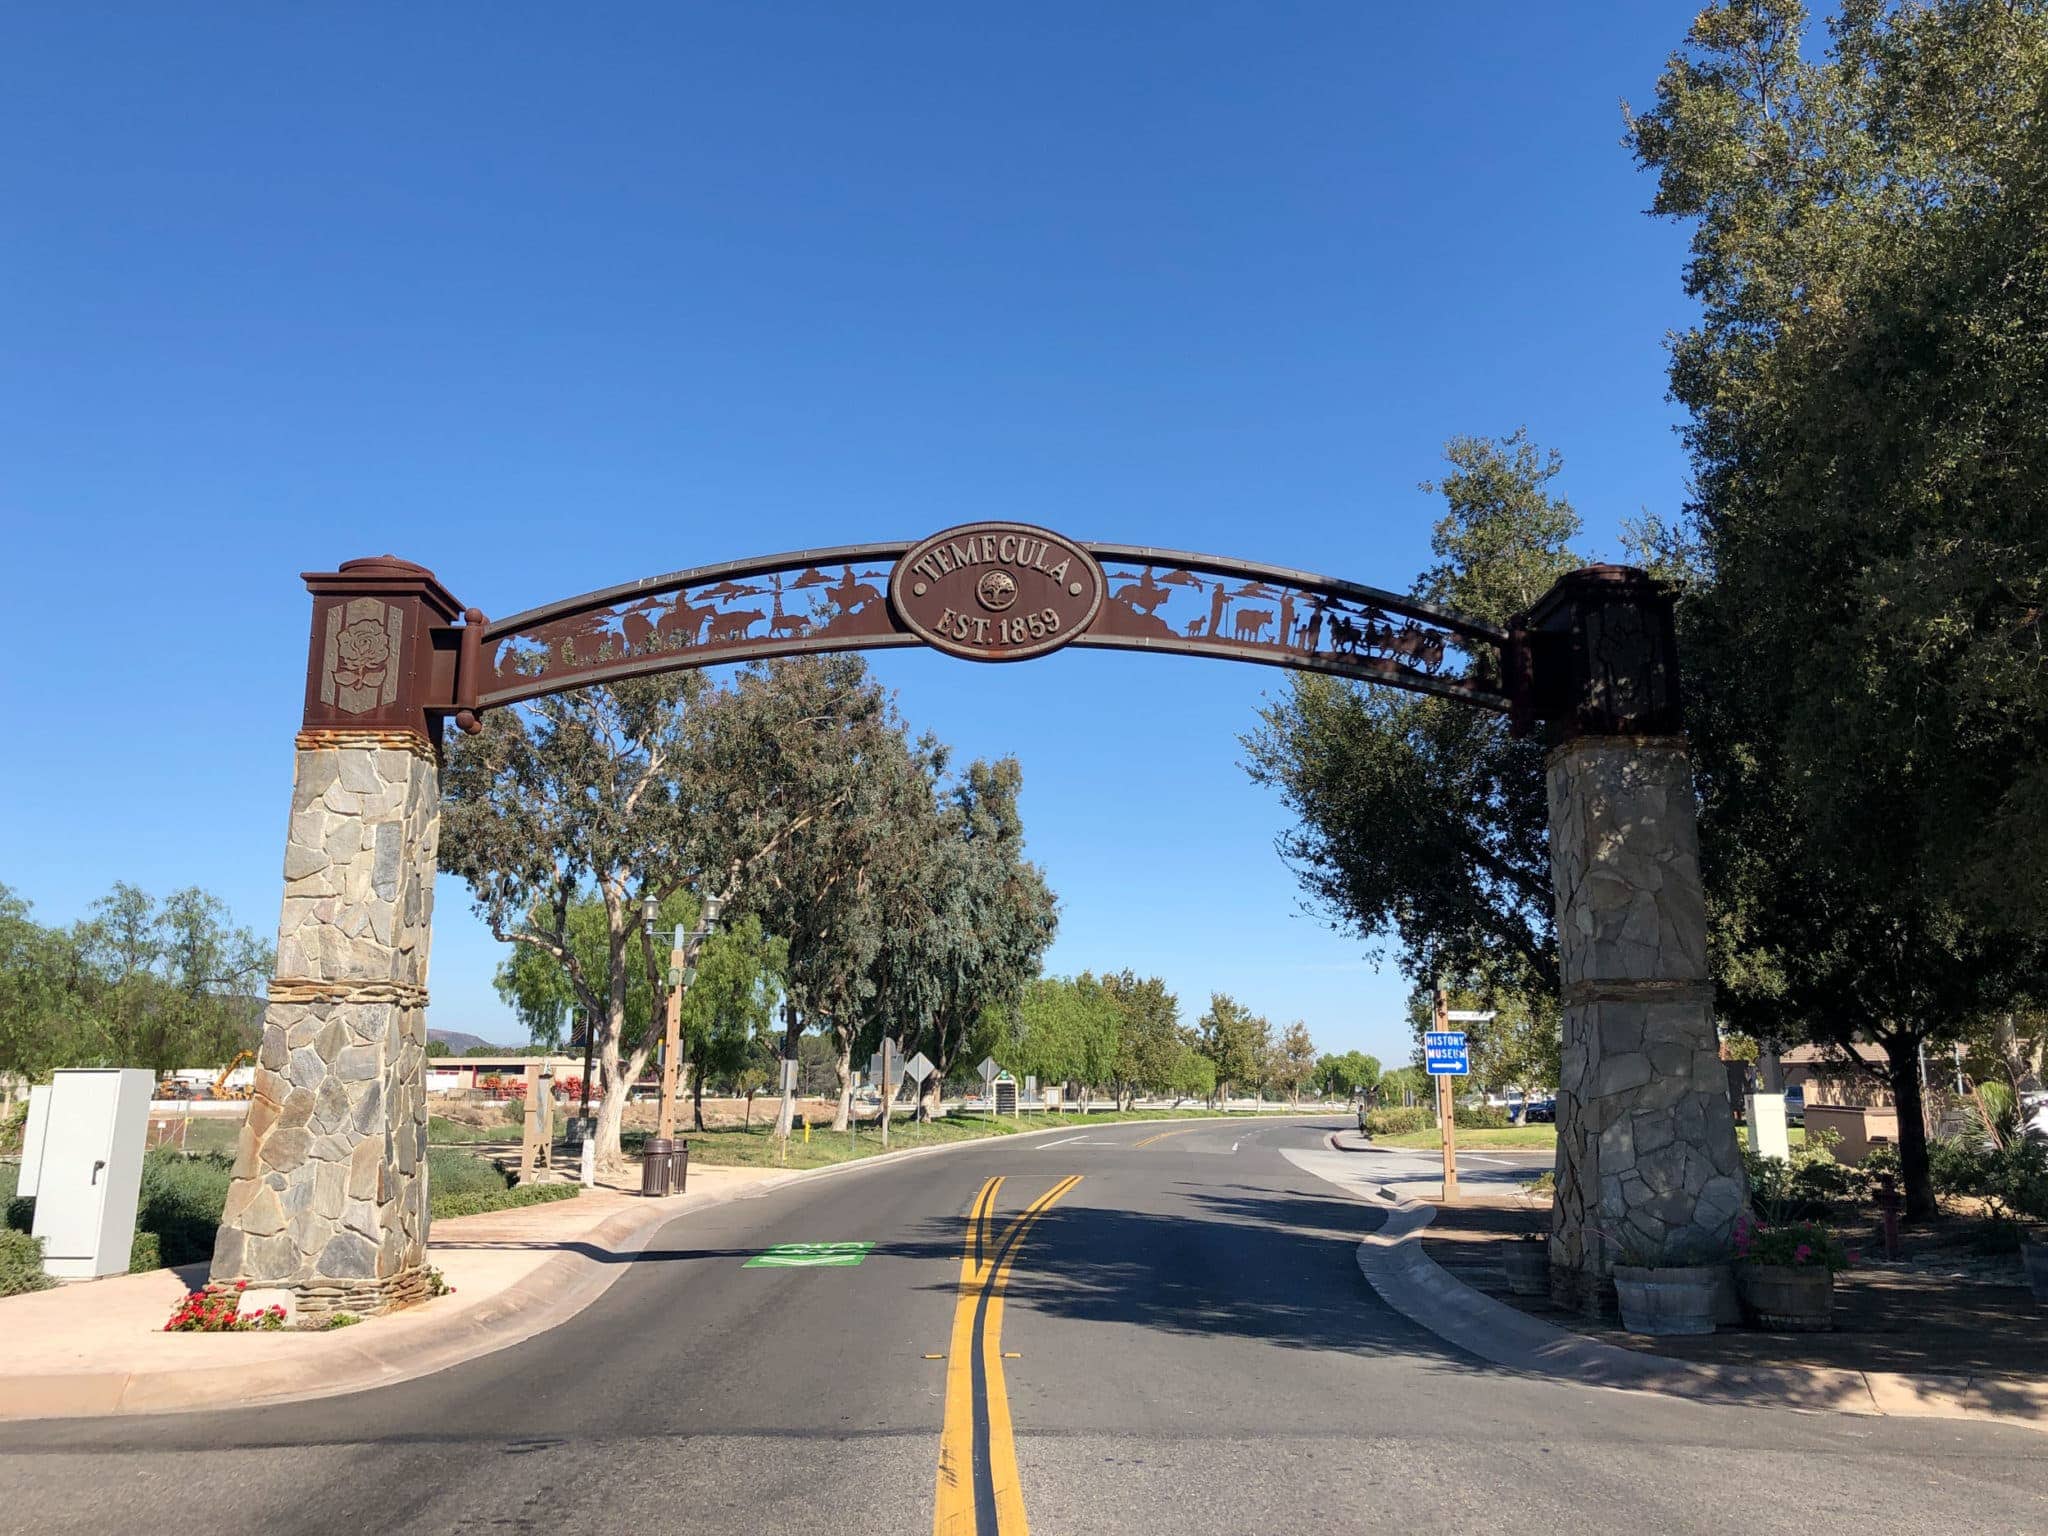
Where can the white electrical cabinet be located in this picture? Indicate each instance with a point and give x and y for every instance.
(89, 1169)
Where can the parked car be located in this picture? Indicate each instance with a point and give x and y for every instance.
(1540, 1112)
(1795, 1105)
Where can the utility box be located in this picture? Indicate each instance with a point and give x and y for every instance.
(89, 1170)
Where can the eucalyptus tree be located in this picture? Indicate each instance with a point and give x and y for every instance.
(563, 817)
(968, 920)
(802, 785)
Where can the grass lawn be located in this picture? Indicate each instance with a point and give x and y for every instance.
(218, 1134)
(450, 1133)
(1795, 1135)
(1544, 1136)
(755, 1147)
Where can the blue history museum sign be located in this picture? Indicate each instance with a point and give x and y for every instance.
(1443, 1053)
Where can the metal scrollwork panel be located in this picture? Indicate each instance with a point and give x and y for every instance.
(721, 614)
(1244, 612)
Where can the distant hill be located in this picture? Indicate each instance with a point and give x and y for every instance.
(458, 1042)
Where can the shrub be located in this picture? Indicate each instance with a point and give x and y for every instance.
(1481, 1117)
(21, 1264)
(1805, 1186)
(454, 1172)
(1398, 1121)
(145, 1254)
(1800, 1244)
(445, 1206)
(181, 1201)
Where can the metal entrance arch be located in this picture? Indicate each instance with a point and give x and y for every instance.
(328, 1208)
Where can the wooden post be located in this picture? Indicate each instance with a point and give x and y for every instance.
(1446, 1109)
(530, 1132)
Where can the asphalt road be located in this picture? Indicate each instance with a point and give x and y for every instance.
(1179, 1341)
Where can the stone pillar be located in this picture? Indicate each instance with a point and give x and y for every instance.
(329, 1203)
(1648, 1169)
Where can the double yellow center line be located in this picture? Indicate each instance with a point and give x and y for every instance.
(980, 1495)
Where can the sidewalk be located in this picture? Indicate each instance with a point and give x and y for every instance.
(98, 1347)
(1909, 1340)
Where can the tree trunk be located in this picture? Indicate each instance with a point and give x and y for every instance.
(843, 1064)
(747, 1120)
(697, 1094)
(1902, 1055)
(929, 1102)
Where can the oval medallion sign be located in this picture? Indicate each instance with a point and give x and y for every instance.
(996, 591)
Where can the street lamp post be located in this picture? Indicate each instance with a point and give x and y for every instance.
(589, 1040)
(682, 971)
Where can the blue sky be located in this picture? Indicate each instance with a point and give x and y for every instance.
(548, 298)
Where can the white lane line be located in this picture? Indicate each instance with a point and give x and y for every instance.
(1068, 1141)
(1498, 1162)
(1233, 1146)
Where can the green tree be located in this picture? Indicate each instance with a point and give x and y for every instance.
(1294, 1061)
(1422, 819)
(1351, 1073)
(1148, 1050)
(1871, 510)
(1235, 1041)
(728, 1011)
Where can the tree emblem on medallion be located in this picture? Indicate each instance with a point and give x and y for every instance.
(997, 590)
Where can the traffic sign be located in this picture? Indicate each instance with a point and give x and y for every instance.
(1468, 1016)
(1444, 1054)
(919, 1067)
(988, 1069)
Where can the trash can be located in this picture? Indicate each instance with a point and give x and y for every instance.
(679, 1167)
(655, 1164)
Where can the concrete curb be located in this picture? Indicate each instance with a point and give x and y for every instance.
(1417, 1287)
(557, 1289)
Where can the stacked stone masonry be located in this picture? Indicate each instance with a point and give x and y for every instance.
(1649, 1169)
(329, 1199)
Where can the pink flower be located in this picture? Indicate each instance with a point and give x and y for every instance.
(1802, 1253)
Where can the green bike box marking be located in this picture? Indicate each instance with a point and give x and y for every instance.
(809, 1256)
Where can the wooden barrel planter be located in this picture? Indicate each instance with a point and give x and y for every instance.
(1526, 1262)
(1665, 1301)
(1792, 1298)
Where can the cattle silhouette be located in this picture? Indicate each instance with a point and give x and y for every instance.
(734, 625)
(1250, 621)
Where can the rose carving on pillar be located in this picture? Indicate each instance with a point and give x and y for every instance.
(359, 670)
